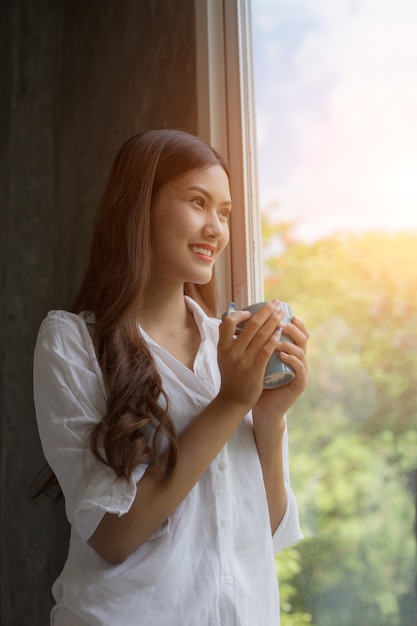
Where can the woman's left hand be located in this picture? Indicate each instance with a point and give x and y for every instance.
(274, 403)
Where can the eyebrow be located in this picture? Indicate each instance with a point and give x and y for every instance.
(208, 194)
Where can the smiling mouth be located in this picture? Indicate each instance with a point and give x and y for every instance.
(200, 250)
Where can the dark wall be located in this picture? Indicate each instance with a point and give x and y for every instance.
(78, 78)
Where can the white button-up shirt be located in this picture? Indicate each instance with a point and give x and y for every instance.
(211, 563)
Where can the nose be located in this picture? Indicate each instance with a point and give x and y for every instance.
(214, 227)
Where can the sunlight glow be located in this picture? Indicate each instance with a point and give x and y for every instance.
(403, 185)
(336, 102)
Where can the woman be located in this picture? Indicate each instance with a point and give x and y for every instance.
(171, 457)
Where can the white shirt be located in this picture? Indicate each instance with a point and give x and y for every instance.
(211, 563)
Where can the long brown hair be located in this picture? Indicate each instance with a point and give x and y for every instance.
(117, 280)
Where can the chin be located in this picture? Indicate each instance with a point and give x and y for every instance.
(201, 280)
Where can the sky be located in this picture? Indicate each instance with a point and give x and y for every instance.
(336, 113)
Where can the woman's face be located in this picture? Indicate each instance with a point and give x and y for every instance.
(190, 227)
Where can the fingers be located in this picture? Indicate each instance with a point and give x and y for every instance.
(297, 332)
(249, 353)
(261, 326)
(227, 328)
(243, 358)
(301, 326)
(294, 352)
(258, 328)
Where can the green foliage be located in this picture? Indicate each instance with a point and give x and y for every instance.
(353, 434)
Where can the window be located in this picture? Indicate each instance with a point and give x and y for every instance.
(336, 96)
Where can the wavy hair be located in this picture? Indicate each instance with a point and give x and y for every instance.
(117, 280)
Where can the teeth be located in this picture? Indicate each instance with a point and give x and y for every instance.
(199, 250)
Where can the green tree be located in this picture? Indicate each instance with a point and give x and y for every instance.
(353, 433)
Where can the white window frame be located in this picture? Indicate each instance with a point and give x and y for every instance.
(226, 120)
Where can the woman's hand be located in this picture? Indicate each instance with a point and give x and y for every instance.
(243, 359)
(242, 363)
(274, 403)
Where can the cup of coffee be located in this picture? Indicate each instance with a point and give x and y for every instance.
(277, 373)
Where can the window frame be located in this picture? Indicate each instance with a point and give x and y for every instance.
(226, 120)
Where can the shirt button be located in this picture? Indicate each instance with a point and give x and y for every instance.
(222, 466)
(225, 522)
(230, 580)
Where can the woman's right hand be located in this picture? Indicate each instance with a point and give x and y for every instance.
(243, 359)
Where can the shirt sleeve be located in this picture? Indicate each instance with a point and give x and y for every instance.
(70, 399)
(289, 531)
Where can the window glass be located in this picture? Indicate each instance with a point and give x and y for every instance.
(336, 102)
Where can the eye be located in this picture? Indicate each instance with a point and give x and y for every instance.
(199, 202)
(224, 213)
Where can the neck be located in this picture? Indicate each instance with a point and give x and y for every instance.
(168, 311)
